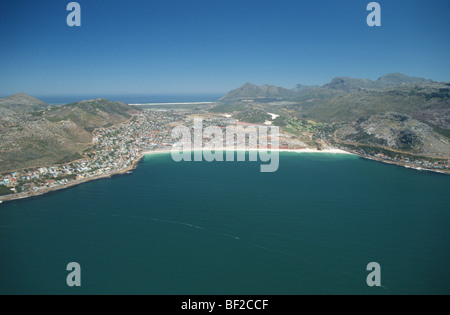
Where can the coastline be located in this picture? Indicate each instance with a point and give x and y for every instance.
(329, 151)
(44, 191)
(134, 165)
(402, 164)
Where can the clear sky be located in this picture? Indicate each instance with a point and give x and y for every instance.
(212, 46)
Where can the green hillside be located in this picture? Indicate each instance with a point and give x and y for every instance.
(54, 135)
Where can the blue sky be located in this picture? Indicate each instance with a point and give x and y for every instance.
(212, 46)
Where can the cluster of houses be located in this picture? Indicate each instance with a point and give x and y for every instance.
(433, 165)
(114, 149)
(119, 147)
(436, 165)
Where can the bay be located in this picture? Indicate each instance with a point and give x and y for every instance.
(225, 228)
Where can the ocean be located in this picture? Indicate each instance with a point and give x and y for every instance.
(225, 228)
(131, 98)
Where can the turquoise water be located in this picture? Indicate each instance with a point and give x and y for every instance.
(226, 228)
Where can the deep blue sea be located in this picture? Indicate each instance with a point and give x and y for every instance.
(225, 228)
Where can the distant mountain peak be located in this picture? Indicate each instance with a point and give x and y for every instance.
(21, 99)
(22, 102)
(20, 95)
(348, 84)
(300, 86)
(400, 78)
(249, 90)
(389, 80)
(395, 74)
(337, 85)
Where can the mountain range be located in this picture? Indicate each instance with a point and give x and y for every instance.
(251, 91)
(345, 102)
(339, 84)
(395, 112)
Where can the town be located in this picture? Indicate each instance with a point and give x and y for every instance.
(118, 150)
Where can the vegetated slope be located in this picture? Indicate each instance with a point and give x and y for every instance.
(396, 131)
(55, 135)
(251, 91)
(346, 100)
(337, 86)
(253, 115)
(386, 81)
(428, 102)
(91, 114)
(22, 102)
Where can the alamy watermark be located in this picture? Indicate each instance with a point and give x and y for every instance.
(74, 277)
(373, 19)
(74, 17)
(374, 277)
(213, 144)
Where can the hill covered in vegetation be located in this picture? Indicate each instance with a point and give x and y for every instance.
(34, 134)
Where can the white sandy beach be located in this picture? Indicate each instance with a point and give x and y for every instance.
(332, 151)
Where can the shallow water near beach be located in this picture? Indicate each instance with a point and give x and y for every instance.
(225, 228)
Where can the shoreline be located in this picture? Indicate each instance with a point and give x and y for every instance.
(402, 164)
(329, 151)
(134, 165)
(44, 191)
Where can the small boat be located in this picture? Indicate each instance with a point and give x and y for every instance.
(1, 201)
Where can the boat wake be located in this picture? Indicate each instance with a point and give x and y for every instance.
(196, 227)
